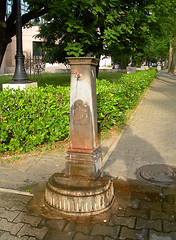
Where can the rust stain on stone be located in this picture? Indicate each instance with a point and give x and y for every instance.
(80, 130)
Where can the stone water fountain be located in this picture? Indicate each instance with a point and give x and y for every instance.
(81, 190)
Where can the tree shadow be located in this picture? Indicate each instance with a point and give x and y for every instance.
(131, 153)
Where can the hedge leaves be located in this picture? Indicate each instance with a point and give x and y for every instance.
(41, 115)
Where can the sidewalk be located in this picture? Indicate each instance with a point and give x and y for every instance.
(141, 211)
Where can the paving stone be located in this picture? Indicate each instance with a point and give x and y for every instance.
(20, 206)
(168, 207)
(148, 224)
(153, 235)
(120, 211)
(55, 224)
(8, 236)
(134, 203)
(28, 230)
(150, 205)
(127, 221)
(55, 235)
(9, 215)
(131, 212)
(7, 204)
(83, 228)
(13, 228)
(20, 198)
(169, 191)
(104, 230)
(81, 236)
(169, 226)
(108, 238)
(25, 218)
(70, 227)
(133, 234)
(78, 227)
(13, 197)
(146, 196)
(162, 215)
(169, 198)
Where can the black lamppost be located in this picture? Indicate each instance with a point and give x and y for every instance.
(20, 75)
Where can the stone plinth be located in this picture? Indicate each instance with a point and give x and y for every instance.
(131, 70)
(20, 86)
(80, 191)
(159, 68)
(79, 196)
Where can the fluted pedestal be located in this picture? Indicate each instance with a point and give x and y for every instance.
(81, 190)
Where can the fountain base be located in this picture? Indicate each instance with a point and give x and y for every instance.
(79, 197)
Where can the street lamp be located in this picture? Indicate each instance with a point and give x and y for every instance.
(20, 75)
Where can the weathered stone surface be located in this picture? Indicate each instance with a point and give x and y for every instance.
(77, 227)
(148, 224)
(131, 70)
(13, 228)
(28, 230)
(19, 206)
(143, 213)
(80, 191)
(153, 235)
(127, 221)
(55, 235)
(150, 205)
(80, 236)
(79, 196)
(53, 224)
(26, 218)
(169, 226)
(21, 86)
(154, 215)
(104, 230)
(8, 236)
(84, 158)
(134, 234)
(9, 215)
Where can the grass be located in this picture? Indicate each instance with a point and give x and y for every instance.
(62, 79)
(110, 76)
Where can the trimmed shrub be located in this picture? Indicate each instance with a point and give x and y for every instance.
(41, 115)
(114, 100)
(33, 117)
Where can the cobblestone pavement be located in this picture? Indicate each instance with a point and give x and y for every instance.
(140, 211)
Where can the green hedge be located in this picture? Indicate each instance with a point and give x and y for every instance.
(114, 100)
(41, 115)
(33, 117)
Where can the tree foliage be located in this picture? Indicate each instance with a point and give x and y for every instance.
(95, 28)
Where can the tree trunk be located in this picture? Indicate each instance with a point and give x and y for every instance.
(170, 56)
(173, 62)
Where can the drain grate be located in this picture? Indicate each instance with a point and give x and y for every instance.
(158, 174)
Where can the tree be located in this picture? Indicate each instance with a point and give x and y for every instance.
(157, 49)
(7, 23)
(95, 27)
(165, 16)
